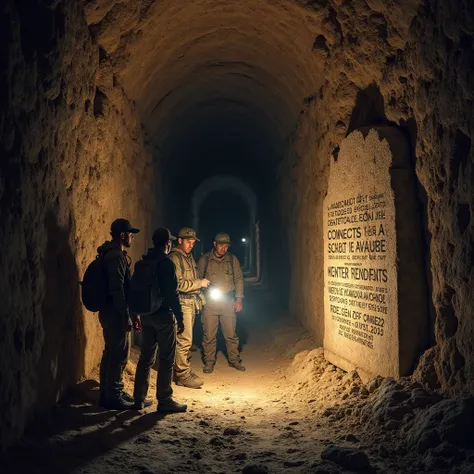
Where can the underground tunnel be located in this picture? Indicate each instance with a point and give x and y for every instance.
(334, 136)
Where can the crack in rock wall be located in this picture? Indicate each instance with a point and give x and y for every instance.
(73, 158)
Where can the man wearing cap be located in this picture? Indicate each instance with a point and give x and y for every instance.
(225, 300)
(189, 286)
(159, 329)
(115, 316)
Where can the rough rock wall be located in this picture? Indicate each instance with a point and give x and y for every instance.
(410, 65)
(73, 158)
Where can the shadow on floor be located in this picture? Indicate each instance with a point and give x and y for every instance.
(76, 432)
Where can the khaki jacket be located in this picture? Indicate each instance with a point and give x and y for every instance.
(189, 282)
(220, 273)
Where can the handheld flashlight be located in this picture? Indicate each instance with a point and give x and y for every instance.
(215, 294)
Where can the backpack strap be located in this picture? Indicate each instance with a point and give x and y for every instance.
(156, 263)
(231, 256)
(231, 265)
(181, 262)
(101, 257)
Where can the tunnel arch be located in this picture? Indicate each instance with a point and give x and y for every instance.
(223, 182)
(264, 42)
(250, 64)
(230, 183)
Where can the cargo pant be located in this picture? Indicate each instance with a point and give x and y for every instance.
(223, 312)
(184, 341)
(115, 355)
(161, 338)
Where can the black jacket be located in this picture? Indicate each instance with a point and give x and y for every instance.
(117, 267)
(168, 283)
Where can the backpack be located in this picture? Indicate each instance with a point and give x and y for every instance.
(145, 296)
(95, 285)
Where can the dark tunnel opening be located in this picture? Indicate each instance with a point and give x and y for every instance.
(223, 211)
(240, 134)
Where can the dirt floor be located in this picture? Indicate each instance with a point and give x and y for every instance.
(290, 411)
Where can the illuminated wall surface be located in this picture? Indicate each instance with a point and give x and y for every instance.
(374, 287)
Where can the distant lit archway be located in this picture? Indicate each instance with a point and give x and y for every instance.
(250, 237)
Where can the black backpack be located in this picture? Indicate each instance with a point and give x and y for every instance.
(145, 296)
(94, 285)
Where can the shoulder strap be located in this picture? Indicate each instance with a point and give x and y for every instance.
(159, 259)
(101, 257)
(231, 256)
(157, 262)
(207, 264)
(181, 262)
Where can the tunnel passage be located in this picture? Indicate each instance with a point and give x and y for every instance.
(123, 108)
(226, 204)
(215, 217)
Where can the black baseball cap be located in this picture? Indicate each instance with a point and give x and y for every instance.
(122, 225)
(161, 236)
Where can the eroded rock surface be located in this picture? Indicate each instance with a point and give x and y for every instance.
(73, 159)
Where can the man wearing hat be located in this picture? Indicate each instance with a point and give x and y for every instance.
(115, 316)
(159, 329)
(189, 286)
(225, 300)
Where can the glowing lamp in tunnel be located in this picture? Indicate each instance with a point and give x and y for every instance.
(215, 294)
(244, 240)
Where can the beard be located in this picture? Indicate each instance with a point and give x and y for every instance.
(127, 242)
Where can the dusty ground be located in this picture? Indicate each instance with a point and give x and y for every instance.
(289, 412)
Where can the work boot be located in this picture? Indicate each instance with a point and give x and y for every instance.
(126, 396)
(118, 404)
(141, 404)
(190, 381)
(208, 368)
(237, 366)
(171, 407)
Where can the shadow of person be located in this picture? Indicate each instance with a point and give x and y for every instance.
(61, 363)
(76, 443)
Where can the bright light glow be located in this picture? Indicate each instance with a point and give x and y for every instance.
(215, 294)
(244, 240)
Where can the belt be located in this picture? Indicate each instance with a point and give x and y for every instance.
(184, 296)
